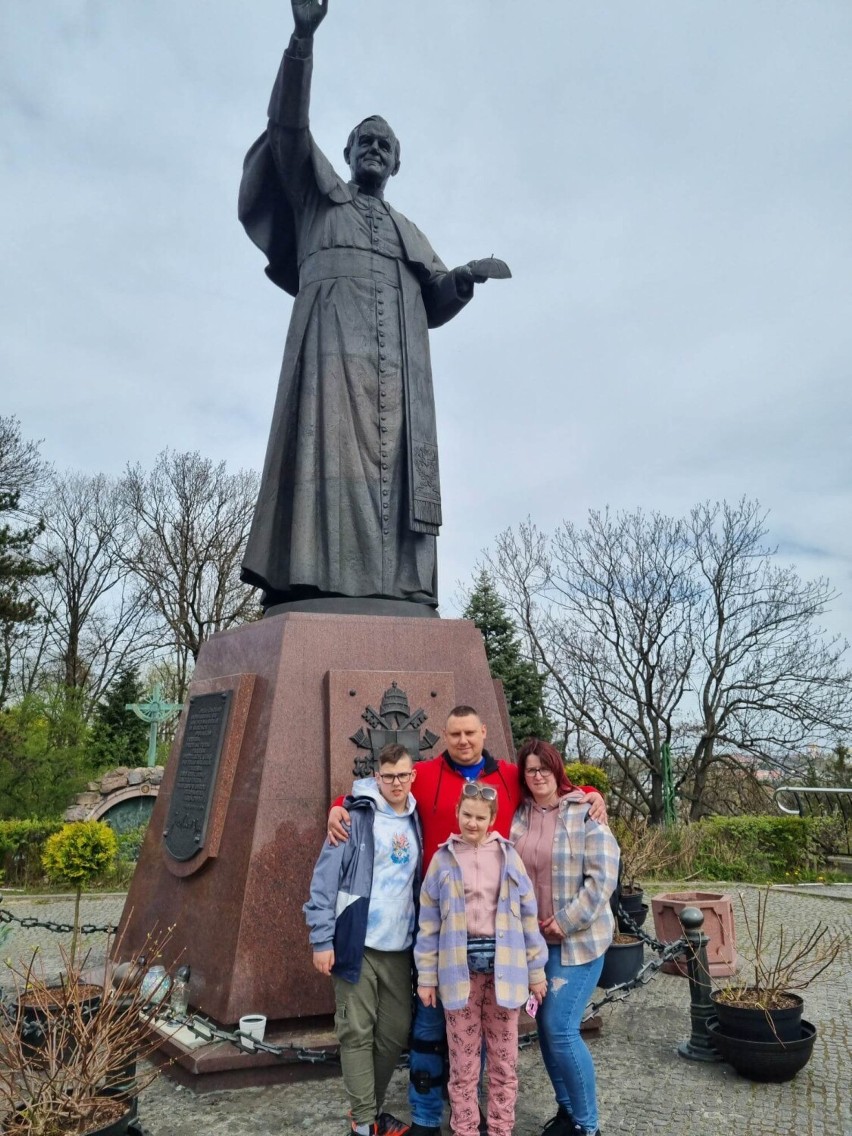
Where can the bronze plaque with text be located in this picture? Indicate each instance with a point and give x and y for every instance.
(198, 763)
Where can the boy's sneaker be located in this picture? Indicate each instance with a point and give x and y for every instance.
(388, 1125)
(364, 1129)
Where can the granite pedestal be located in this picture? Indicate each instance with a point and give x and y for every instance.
(302, 687)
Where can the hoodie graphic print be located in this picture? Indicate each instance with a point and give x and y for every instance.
(391, 914)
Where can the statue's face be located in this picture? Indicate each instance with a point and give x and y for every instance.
(372, 158)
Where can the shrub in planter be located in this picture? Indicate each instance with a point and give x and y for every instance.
(85, 1079)
(75, 856)
(645, 851)
(762, 1005)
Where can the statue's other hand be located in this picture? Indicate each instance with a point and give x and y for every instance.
(308, 15)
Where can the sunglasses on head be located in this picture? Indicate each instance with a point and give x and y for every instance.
(474, 789)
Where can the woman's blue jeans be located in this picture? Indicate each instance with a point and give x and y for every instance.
(566, 1057)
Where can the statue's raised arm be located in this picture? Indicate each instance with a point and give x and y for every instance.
(308, 15)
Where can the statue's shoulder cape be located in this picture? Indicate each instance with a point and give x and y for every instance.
(268, 218)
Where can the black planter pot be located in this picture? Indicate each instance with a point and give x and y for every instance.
(764, 1060)
(631, 900)
(638, 917)
(630, 903)
(622, 962)
(119, 1127)
(36, 1022)
(754, 1024)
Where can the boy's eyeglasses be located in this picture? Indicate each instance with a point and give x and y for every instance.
(474, 789)
(389, 778)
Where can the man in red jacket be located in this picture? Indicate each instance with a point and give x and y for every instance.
(437, 791)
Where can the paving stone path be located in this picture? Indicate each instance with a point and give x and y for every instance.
(645, 1089)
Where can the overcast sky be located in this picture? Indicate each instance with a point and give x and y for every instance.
(671, 183)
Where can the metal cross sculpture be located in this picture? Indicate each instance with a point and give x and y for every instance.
(394, 722)
(155, 711)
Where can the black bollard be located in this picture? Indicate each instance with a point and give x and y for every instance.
(698, 1048)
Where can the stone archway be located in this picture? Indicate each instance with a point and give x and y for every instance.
(123, 797)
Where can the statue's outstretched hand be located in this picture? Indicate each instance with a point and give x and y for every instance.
(478, 271)
(489, 268)
(308, 15)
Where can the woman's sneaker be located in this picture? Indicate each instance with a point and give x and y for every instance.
(560, 1125)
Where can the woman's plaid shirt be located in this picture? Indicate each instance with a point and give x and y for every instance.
(584, 869)
(440, 950)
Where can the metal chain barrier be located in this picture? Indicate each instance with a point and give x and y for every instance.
(29, 921)
(243, 1041)
(204, 1029)
(634, 929)
(648, 972)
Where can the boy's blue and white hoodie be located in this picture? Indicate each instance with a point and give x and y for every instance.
(363, 892)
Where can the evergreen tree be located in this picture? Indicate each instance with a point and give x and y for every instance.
(118, 737)
(522, 684)
(43, 759)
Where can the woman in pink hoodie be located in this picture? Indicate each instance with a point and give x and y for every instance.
(573, 863)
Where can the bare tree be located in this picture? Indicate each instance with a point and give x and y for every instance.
(97, 617)
(658, 630)
(769, 681)
(22, 477)
(606, 611)
(191, 522)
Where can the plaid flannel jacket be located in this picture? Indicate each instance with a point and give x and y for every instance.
(584, 874)
(440, 950)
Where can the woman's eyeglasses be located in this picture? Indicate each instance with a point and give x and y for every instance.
(538, 771)
(474, 789)
(389, 778)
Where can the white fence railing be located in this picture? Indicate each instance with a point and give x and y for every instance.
(816, 800)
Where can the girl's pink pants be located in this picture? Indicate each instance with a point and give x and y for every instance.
(482, 1017)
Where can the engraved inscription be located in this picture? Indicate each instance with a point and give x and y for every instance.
(198, 763)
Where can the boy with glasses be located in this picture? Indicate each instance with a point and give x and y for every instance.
(362, 916)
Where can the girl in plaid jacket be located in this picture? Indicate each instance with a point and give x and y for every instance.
(480, 948)
(573, 863)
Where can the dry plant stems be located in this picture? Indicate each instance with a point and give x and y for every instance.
(84, 1074)
(782, 963)
(645, 851)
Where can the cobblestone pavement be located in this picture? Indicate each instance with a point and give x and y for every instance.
(645, 1089)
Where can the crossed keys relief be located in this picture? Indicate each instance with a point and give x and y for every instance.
(393, 722)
